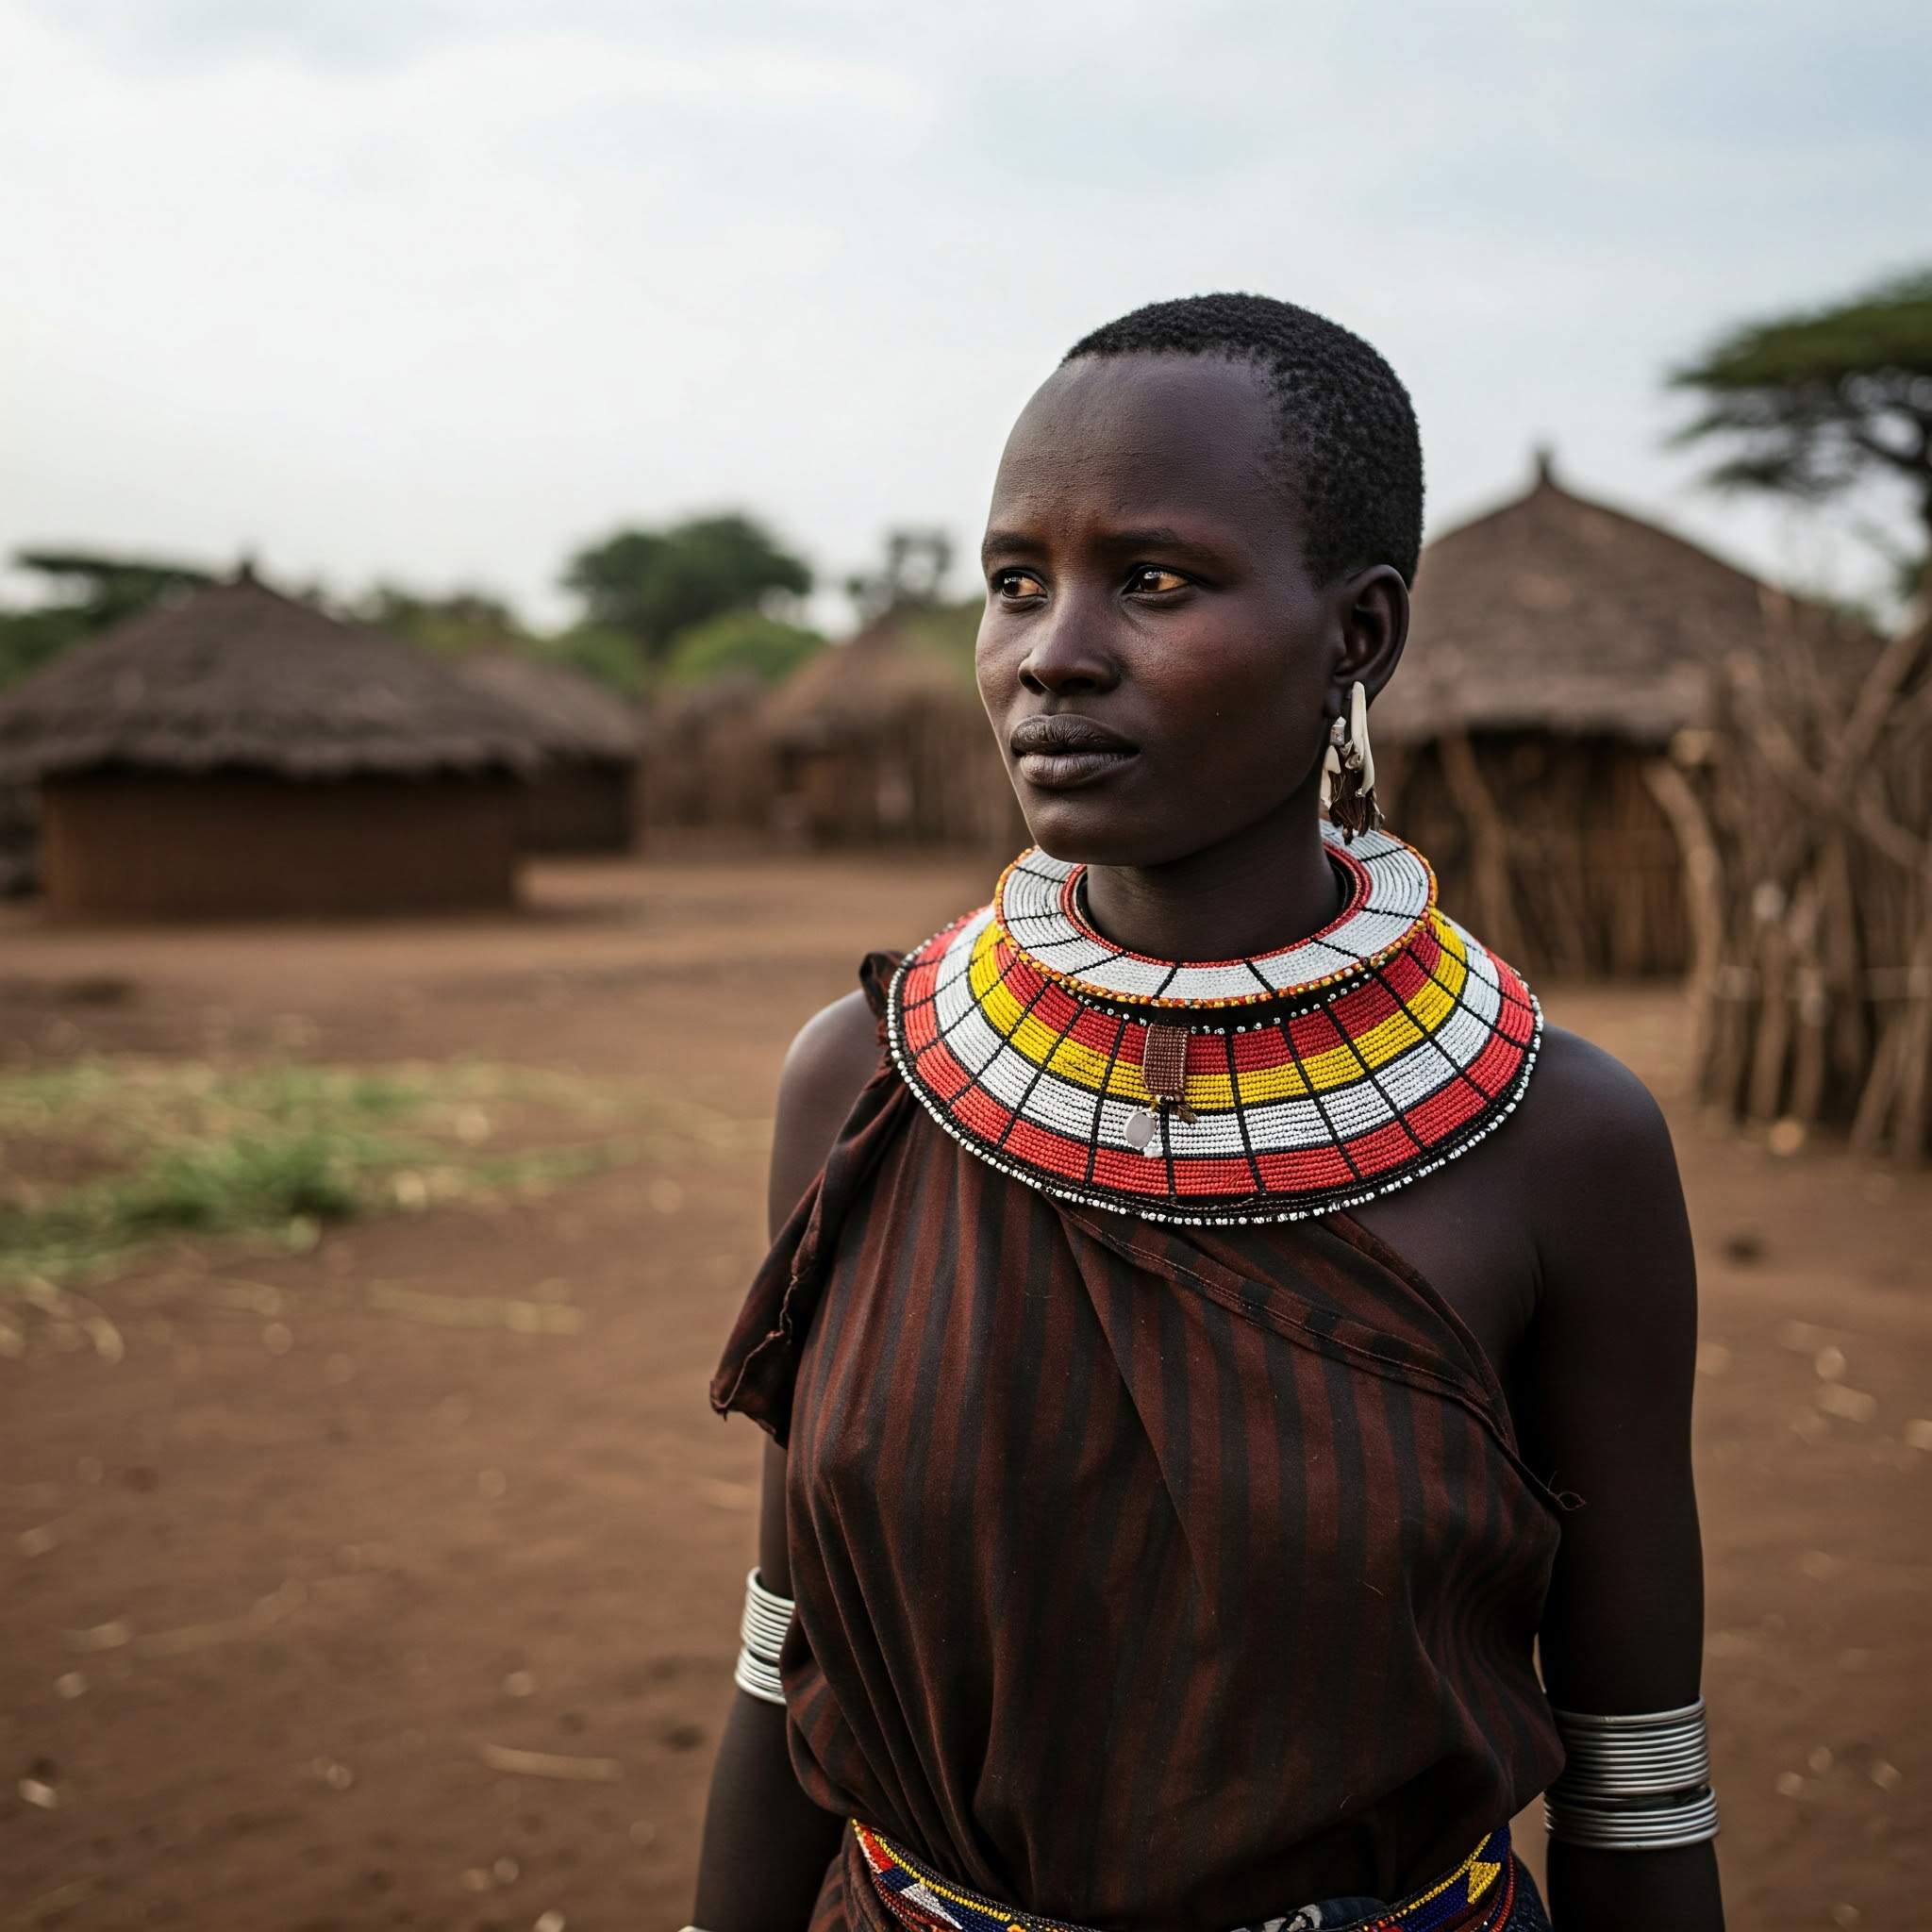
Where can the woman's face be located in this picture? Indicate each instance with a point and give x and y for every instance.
(1158, 664)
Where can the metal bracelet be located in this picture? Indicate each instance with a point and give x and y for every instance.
(1687, 1821)
(767, 1618)
(758, 1680)
(1633, 1783)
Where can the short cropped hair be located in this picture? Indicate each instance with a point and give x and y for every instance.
(1347, 427)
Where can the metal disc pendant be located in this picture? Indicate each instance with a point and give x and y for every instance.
(1140, 1129)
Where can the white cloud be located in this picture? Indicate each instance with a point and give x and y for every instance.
(437, 290)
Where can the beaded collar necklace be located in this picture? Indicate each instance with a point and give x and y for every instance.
(1266, 1088)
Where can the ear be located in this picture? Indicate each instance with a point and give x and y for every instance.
(1372, 612)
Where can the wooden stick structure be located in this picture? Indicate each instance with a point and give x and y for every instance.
(1805, 823)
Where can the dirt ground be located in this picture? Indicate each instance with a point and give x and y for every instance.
(291, 1590)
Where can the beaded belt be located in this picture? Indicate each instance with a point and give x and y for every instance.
(1478, 1896)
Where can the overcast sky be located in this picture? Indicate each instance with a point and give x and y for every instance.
(436, 289)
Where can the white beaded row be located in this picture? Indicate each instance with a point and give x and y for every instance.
(1030, 905)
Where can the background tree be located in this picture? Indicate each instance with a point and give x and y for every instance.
(88, 592)
(449, 626)
(911, 576)
(768, 647)
(652, 585)
(1814, 404)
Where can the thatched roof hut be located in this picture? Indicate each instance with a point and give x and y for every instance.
(241, 753)
(1558, 646)
(883, 739)
(239, 677)
(1554, 614)
(585, 797)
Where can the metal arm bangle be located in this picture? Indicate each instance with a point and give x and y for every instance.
(761, 1631)
(1639, 1783)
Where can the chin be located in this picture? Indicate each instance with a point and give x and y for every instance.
(1084, 830)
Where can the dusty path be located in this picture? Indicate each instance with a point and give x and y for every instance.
(281, 1586)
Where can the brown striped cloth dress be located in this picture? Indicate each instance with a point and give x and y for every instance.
(1148, 1576)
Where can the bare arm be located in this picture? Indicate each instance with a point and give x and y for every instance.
(1603, 1388)
(766, 1845)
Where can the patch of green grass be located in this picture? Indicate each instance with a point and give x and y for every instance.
(103, 1158)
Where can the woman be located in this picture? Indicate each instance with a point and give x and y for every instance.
(1215, 1334)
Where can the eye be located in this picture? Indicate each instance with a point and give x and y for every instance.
(1017, 584)
(1150, 581)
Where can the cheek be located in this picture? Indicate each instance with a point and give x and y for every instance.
(1229, 692)
(996, 667)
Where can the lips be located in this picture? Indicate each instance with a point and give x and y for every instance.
(1061, 751)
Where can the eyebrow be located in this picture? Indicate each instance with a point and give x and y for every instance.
(1010, 542)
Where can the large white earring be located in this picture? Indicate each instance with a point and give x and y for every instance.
(1348, 771)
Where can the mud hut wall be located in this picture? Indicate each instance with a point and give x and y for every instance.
(164, 845)
(581, 805)
(708, 769)
(930, 775)
(1551, 849)
(20, 841)
(825, 795)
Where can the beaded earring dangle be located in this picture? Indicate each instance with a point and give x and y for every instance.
(1348, 771)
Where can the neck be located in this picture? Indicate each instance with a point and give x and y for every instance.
(1267, 886)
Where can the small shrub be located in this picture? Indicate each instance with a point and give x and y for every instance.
(99, 1157)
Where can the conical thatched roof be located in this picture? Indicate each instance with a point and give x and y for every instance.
(1556, 614)
(850, 693)
(573, 715)
(239, 677)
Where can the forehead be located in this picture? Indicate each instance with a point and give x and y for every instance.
(1150, 437)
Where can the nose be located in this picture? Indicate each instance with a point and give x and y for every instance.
(1065, 657)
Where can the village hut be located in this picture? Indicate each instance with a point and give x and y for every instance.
(19, 844)
(1557, 648)
(712, 777)
(585, 797)
(883, 741)
(241, 754)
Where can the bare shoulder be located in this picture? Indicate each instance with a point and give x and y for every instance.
(832, 1057)
(1587, 1113)
(1596, 1177)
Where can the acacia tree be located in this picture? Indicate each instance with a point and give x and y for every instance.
(1815, 404)
(104, 590)
(90, 593)
(912, 575)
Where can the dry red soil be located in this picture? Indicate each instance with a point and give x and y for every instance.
(282, 1585)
